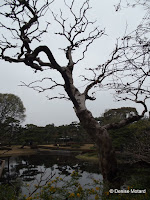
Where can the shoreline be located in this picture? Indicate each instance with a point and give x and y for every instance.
(85, 157)
(17, 152)
(47, 149)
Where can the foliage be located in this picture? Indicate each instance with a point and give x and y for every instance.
(62, 188)
(10, 131)
(140, 136)
(9, 192)
(11, 106)
(53, 134)
(116, 115)
(134, 136)
(131, 136)
(12, 112)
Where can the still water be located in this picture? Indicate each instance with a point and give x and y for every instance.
(30, 170)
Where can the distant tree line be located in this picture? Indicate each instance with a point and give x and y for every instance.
(64, 134)
(134, 137)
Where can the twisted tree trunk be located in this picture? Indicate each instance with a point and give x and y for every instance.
(25, 15)
(99, 135)
(106, 154)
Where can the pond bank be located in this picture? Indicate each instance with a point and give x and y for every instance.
(48, 149)
(84, 153)
(92, 157)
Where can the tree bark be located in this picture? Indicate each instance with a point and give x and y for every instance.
(100, 136)
(2, 167)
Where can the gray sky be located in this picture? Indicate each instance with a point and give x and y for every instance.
(39, 110)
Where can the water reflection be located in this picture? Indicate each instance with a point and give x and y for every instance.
(37, 169)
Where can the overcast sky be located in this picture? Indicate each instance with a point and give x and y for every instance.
(41, 111)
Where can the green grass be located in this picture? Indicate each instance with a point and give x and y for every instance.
(88, 157)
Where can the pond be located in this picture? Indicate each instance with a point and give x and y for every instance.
(39, 169)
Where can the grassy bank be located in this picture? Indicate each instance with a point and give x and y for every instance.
(88, 157)
(17, 150)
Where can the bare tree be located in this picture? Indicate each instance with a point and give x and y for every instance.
(119, 73)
